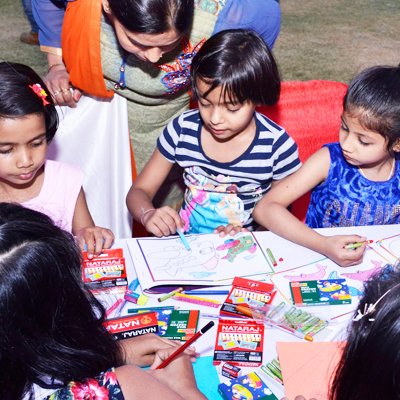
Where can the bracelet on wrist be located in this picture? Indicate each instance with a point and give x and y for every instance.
(144, 212)
(54, 65)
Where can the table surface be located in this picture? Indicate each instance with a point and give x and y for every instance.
(293, 259)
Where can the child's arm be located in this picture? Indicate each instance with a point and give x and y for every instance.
(272, 212)
(162, 221)
(83, 227)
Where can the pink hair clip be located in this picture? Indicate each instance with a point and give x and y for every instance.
(40, 92)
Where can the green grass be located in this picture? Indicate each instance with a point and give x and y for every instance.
(319, 39)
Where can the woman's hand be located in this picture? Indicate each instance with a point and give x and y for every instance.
(151, 350)
(94, 239)
(57, 81)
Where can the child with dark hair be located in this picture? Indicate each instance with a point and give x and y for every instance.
(353, 182)
(52, 341)
(370, 364)
(231, 155)
(28, 123)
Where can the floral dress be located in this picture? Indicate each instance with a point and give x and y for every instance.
(103, 387)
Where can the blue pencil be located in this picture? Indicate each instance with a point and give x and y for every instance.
(184, 240)
(221, 292)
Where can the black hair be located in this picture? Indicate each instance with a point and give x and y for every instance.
(17, 98)
(240, 62)
(50, 325)
(370, 365)
(154, 16)
(373, 97)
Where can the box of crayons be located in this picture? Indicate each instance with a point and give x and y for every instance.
(320, 292)
(249, 386)
(105, 271)
(248, 293)
(239, 342)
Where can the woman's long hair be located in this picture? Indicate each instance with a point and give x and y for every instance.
(50, 325)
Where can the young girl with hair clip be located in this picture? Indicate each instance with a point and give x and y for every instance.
(52, 341)
(28, 123)
(231, 155)
(353, 182)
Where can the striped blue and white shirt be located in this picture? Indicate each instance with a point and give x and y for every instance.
(222, 193)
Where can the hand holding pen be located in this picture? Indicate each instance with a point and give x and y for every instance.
(163, 221)
(334, 247)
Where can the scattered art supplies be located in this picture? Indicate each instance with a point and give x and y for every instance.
(132, 325)
(307, 368)
(248, 293)
(239, 342)
(273, 370)
(320, 292)
(132, 296)
(211, 260)
(291, 319)
(249, 386)
(105, 271)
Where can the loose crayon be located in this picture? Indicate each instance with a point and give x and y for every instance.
(170, 294)
(271, 257)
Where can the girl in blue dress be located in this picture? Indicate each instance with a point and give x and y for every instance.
(355, 181)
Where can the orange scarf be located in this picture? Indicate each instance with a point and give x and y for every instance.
(81, 47)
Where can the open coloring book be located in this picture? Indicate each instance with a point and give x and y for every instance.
(211, 260)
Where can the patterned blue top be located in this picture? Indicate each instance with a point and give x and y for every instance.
(226, 193)
(346, 198)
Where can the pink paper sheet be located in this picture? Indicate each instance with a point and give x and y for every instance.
(307, 368)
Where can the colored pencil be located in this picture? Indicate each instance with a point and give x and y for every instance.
(189, 342)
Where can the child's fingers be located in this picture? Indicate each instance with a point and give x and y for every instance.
(108, 238)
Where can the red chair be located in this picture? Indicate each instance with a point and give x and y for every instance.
(310, 112)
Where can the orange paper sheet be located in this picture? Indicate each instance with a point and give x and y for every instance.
(307, 368)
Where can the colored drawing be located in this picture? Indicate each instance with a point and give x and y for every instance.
(238, 246)
(211, 259)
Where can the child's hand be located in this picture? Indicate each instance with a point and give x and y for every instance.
(143, 350)
(179, 376)
(162, 221)
(335, 249)
(95, 238)
(230, 229)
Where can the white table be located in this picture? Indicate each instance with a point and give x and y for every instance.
(292, 259)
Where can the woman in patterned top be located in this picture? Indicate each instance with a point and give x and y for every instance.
(52, 341)
(141, 50)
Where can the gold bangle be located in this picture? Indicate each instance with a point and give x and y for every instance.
(54, 65)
